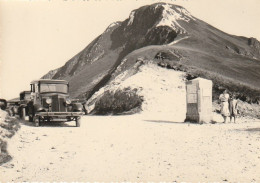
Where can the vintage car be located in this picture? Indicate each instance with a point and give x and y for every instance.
(13, 107)
(25, 98)
(50, 102)
(3, 104)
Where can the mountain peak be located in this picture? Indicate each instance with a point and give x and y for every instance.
(171, 14)
(163, 14)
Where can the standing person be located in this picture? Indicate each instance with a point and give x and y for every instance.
(224, 105)
(233, 107)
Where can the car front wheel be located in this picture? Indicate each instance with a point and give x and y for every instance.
(78, 120)
(36, 121)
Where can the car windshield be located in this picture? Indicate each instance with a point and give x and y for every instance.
(61, 88)
(27, 96)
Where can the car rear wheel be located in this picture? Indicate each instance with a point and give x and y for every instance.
(22, 113)
(30, 118)
(78, 120)
(31, 113)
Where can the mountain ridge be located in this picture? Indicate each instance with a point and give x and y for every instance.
(168, 28)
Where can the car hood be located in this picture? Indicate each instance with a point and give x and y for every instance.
(52, 94)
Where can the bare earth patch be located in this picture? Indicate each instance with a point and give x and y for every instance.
(134, 148)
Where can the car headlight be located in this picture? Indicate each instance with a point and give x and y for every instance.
(77, 107)
(68, 101)
(48, 100)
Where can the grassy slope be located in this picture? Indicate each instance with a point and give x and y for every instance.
(235, 72)
(90, 76)
(224, 67)
(241, 79)
(213, 54)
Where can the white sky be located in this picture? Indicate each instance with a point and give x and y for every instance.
(38, 36)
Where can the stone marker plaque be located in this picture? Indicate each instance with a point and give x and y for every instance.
(199, 100)
(192, 98)
(192, 88)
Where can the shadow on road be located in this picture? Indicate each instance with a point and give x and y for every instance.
(49, 124)
(253, 130)
(170, 122)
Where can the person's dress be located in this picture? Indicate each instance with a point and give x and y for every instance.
(224, 104)
(233, 107)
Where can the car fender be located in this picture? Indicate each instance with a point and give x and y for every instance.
(77, 107)
(23, 105)
(38, 108)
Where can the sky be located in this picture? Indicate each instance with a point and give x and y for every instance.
(37, 36)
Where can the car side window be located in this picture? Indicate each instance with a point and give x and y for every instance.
(36, 88)
(32, 88)
(21, 96)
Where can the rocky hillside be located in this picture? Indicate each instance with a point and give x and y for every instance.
(163, 33)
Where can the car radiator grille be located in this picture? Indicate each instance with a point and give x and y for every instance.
(44, 103)
(62, 106)
(58, 104)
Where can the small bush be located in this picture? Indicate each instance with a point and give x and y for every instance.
(118, 102)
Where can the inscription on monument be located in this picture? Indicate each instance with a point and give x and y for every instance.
(192, 93)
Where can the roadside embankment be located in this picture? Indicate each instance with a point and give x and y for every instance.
(8, 127)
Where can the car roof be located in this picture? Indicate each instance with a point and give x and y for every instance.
(27, 92)
(14, 100)
(50, 81)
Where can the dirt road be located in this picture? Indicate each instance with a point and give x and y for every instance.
(134, 148)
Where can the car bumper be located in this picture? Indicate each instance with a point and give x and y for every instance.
(59, 114)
